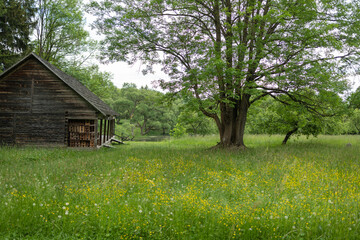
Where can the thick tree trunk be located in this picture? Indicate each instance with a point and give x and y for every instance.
(231, 138)
(227, 124)
(233, 121)
(241, 120)
(288, 135)
(142, 128)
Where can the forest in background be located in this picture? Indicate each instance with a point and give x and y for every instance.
(55, 30)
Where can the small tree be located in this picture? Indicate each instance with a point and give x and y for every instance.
(278, 116)
(178, 131)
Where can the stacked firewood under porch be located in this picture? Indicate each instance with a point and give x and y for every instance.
(82, 133)
(90, 133)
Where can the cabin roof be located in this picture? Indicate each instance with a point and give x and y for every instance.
(73, 83)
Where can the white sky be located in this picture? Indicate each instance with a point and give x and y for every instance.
(356, 82)
(124, 73)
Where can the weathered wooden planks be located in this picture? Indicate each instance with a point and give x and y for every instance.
(38, 104)
(33, 103)
(6, 128)
(39, 128)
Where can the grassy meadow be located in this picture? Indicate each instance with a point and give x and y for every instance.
(182, 189)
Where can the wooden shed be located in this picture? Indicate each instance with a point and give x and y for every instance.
(41, 105)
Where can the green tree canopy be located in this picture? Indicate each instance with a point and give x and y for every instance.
(354, 99)
(145, 109)
(192, 119)
(231, 53)
(271, 116)
(355, 121)
(149, 113)
(16, 24)
(100, 83)
(60, 32)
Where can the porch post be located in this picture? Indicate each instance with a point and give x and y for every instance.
(105, 130)
(108, 130)
(96, 133)
(101, 124)
(113, 127)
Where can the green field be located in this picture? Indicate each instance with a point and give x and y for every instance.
(181, 189)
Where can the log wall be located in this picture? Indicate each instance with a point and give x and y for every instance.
(35, 106)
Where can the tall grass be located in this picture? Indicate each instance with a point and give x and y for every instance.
(182, 189)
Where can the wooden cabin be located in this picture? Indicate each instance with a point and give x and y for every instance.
(41, 105)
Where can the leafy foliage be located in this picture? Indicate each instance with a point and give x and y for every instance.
(178, 131)
(355, 121)
(100, 83)
(145, 109)
(16, 24)
(60, 32)
(192, 119)
(195, 122)
(229, 54)
(354, 99)
(271, 117)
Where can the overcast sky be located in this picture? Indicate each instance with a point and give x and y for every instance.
(124, 73)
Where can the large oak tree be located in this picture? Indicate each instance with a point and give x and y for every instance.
(231, 53)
